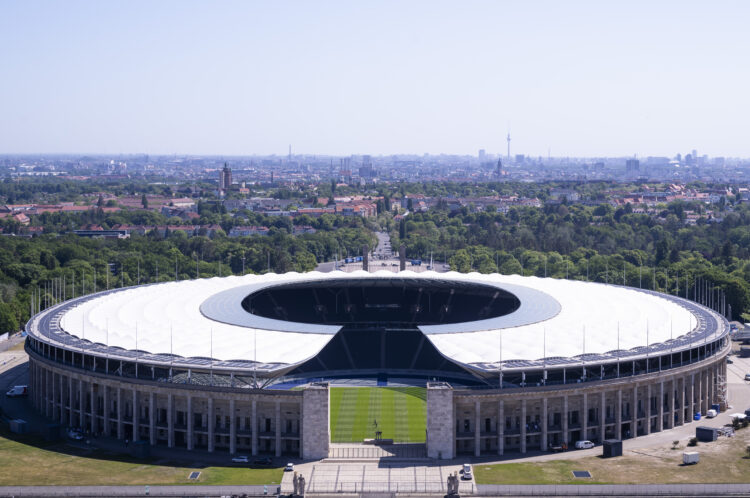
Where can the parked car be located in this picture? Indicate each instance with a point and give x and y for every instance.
(263, 461)
(289, 467)
(711, 413)
(75, 434)
(17, 391)
(729, 361)
(584, 445)
(747, 376)
(240, 459)
(466, 472)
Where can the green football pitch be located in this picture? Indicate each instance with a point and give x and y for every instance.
(399, 412)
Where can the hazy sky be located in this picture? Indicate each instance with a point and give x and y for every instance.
(580, 78)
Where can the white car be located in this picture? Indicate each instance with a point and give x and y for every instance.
(240, 459)
(584, 445)
(711, 413)
(466, 472)
(289, 467)
(747, 376)
(17, 391)
(75, 434)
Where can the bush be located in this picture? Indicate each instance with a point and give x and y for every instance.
(675, 444)
(693, 441)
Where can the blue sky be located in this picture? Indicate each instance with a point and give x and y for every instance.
(576, 78)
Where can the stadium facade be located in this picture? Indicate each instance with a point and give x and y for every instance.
(243, 364)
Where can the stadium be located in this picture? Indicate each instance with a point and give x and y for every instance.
(247, 364)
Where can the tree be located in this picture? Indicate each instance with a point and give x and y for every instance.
(8, 320)
(144, 201)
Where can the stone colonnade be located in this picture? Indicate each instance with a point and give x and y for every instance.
(191, 417)
(466, 422)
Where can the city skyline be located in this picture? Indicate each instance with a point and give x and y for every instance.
(573, 80)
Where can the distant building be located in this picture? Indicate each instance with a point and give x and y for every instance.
(225, 178)
(499, 168)
(632, 165)
(482, 155)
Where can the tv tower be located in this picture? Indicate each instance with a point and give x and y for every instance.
(508, 139)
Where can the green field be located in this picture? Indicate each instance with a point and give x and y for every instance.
(400, 413)
(27, 461)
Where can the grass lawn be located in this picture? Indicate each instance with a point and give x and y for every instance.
(723, 461)
(400, 413)
(39, 463)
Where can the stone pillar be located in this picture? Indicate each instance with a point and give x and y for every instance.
(711, 385)
(660, 406)
(565, 420)
(82, 403)
(278, 428)
(634, 418)
(232, 427)
(672, 392)
(61, 387)
(170, 420)
(63, 417)
(545, 417)
(500, 426)
(211, 425)
(189, 433)
(585, 416)
(477, 427)
(316, 433)
(523, 426)
(647, 409)
(71, 402)
(94, 412)
(119, 413)
(254, 427)
(47, 400)
(105, 415)
(618, 415)
(681, 412)
(152, 418)
(53, 395)
(700, 395)
(602, 416)
(692, 396)
(136, 415)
